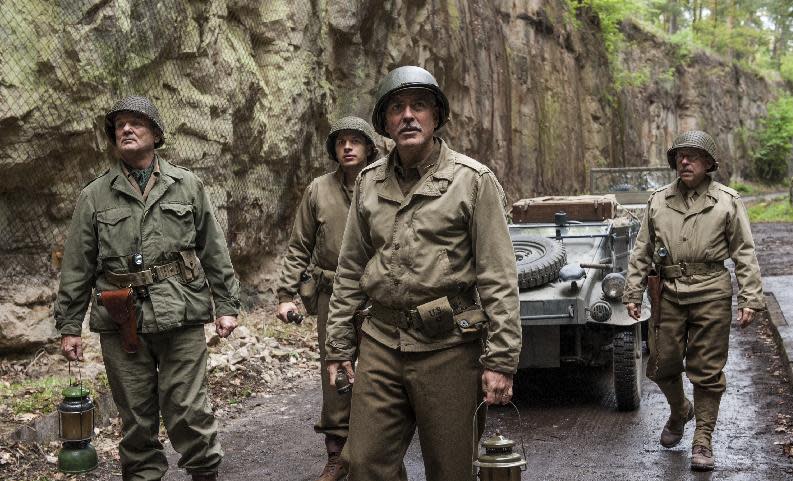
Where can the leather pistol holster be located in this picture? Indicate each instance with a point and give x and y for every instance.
(120, 304)
(655, 286)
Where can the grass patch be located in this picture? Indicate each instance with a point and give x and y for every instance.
(774, 211)
(41, 396)
(748, 187)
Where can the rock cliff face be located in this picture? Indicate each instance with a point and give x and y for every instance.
(247, 90)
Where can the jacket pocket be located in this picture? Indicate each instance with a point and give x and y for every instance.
(116, 231)
(178, 225)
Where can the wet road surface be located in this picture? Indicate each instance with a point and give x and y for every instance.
(569, 422)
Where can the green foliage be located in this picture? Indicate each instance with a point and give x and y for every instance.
(775, 211)
(611, 13)
(775, 141)
(786, 67)
(744, 189)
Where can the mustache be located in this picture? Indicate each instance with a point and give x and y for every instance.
(410, 128)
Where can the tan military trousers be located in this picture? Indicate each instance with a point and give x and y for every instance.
(335, 417)
(395, 392)
(167, 375)
(699, 334)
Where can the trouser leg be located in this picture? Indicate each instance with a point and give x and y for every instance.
(133, 380)
(708, 343)
(667, 346)
(335, 417)
(191, 426)
(444, 388)
(382, 422)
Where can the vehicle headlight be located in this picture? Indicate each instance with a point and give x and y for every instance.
(613, 285)
(600, 311)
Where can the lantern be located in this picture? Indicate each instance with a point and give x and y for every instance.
(76, 424)
(498, 462)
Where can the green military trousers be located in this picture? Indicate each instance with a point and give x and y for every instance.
(395, 392)
(697, 334)
(335, 417)
(167, 375)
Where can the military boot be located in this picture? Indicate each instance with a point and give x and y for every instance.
(675, 426)
(681, 410)
(702, 459)
(706, 410)
(335, 469)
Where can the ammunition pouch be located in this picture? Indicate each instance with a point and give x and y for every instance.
(685, 269)
(436, 317)
(187, 267)
(120, 304)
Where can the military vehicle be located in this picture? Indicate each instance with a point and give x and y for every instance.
(572, 256)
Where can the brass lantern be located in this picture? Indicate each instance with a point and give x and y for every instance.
(76, 426)
(498, 462)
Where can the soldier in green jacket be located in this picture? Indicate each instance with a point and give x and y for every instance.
(149, 225)
(427, 242)
(313, 254)
(690, 228)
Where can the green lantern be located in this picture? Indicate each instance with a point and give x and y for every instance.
(498, 462)
(76, 425)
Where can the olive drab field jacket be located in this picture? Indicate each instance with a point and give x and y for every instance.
(715, 228)
(317, 231)
(112, 222)
(448, 236)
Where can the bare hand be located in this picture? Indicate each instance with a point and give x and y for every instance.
(497, 387)
(634, 310)
(745, 317)
(72, 348)
(284, 309)
(225, 325)
(334, 366)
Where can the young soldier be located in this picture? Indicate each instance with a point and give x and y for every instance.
(427, 242)
(137, 235)
(313, 253)
(690, 227)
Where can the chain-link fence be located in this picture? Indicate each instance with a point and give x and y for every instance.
(64, 63)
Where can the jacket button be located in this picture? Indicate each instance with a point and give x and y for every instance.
(396, 246)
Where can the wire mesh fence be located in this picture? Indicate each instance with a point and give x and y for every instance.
(64, 63)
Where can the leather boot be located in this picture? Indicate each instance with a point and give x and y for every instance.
(204, 476)
(675, 426)
(702, 459)
(334, 470)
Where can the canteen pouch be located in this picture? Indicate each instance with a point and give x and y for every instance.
(309, 293)
(436, 317)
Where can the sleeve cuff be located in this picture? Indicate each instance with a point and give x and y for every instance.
(71, 329)
(227, 308)
(499, 365)
(284, 297)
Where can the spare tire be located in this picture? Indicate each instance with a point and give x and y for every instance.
(538, 259)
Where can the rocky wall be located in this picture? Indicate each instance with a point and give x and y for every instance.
(247, 91)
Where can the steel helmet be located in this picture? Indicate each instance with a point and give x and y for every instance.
(695, 139)
(404, 78)
(351, 123)
(140, 105)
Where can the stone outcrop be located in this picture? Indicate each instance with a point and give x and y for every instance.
(247, 90)
(26, 319)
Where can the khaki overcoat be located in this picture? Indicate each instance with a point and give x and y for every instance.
(714, 229)
(446, 236)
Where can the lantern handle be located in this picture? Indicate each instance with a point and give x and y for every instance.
(475, 450)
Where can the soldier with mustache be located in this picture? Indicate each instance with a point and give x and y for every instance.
(427, 242)
(690, 228)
